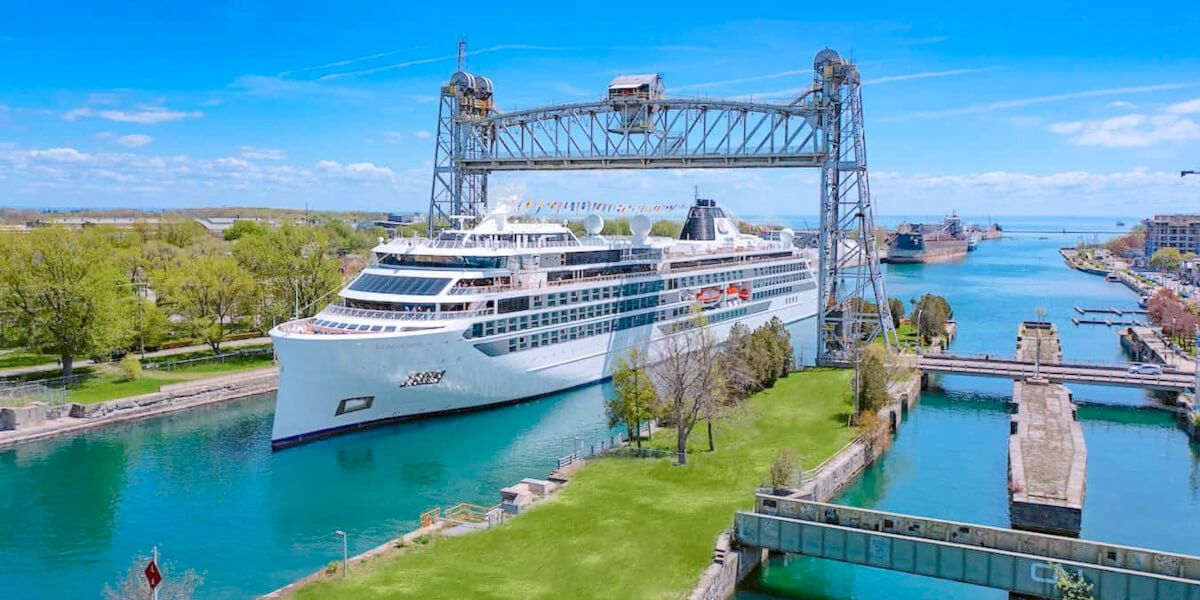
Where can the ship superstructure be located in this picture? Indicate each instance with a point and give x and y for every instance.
(507, 311)
(928, 242)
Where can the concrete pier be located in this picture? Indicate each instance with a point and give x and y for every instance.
(1047, 456)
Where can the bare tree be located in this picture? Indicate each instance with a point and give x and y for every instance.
(176, 584)
(688, 377)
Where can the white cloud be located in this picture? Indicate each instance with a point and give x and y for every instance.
(1135, 129)
(422, 135)
(993, 106)
(393, 136)
(1122, 104)
(361, 170)
(134, 140)
(61, 155)
(144, 115)
(930, 74)
(1185, 108)
(254, 153)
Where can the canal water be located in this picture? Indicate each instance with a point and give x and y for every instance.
(205, 487)
(950, 458)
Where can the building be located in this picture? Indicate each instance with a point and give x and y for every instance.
(1181, 232)
(218, 225)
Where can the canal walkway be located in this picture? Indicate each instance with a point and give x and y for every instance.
(54, 366)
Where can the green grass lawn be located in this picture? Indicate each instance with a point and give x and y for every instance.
(624, 527)
(106, 383)
(24, 358)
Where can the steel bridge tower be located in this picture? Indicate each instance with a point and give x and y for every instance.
(458, 192)
(850, 275)
(822, 129)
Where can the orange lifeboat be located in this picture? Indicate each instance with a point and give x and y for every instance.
(709, 295)
(744, 293)
(732, 290)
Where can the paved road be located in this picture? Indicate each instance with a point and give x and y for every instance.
(156, 354)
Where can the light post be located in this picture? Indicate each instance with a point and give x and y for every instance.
(1172, 332)
(345, 553)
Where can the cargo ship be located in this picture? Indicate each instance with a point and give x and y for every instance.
(928, 242)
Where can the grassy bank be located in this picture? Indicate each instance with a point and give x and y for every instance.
(107, 383)
(623, 527)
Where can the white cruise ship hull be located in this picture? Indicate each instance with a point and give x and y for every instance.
(325, 382)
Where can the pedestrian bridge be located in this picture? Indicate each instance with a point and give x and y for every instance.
(1008, 367)
(1016, 561)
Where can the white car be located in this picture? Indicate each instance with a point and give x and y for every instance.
(1146, 369)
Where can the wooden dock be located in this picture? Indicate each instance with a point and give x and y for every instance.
(1120, 312)
(1108, 322)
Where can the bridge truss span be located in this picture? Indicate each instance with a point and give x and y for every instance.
(664, 133)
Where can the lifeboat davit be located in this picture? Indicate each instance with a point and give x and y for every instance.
(708, 296)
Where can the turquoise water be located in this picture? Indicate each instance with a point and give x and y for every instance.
(206, 488)
(950, 457)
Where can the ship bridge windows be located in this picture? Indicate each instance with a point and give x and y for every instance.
(388, 284)
(444, 261)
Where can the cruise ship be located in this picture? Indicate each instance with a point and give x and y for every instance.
(506, 311)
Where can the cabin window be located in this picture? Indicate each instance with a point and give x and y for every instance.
(384, 284)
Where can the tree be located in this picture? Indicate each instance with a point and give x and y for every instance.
(293, 265)
(242, 228)
(1071, 584)
(176, 584)
(785, 469)
(738, 363)
(636, 398)
(211, 292)
(871, 379)
(65, 291)
(131, 367)
(932, 314)
(1166, 259)
(896, 307)
(688, 378)
(181, 233)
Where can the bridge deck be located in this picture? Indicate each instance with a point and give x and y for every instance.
(1010, 368)
(1016, 561)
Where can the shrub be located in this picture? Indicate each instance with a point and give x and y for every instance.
(785, 468)
(131, 368)
(331, 568)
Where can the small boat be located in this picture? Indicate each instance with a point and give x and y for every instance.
(972, 242)
(1112, 277)
(1120, 223)
(709, 295)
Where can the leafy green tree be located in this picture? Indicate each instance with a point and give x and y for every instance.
(242, 228)
(131, 367)
(181, 233)
(294, 267)
(738, 363)
(932, 313)
(1071, 584)
(871, 378)
(785, 469)
(636, 397)
(896, 307)
(211, 292)
(65, 291)
(1166, 259)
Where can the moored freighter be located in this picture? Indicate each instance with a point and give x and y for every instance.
(508, 311)
(927, 242)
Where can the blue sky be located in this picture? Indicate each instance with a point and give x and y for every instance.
(1001, 108)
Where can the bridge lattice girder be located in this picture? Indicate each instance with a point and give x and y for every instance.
(646, 134)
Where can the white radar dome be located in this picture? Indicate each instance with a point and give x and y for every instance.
(593, 224)
(640, 225)
(786, 236)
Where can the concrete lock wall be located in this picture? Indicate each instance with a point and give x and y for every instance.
(22, 416)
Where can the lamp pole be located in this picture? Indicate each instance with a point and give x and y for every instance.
(345, 553)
